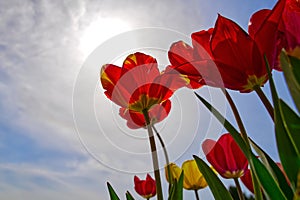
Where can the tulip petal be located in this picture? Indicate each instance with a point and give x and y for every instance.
(180, 53)
(215, 155)
(201, 43)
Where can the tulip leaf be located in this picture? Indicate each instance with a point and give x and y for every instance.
(129, 196)
(267, 181)
(288, 148)
(176, 192)
(285, 127)
(274, 169)
(290, 66)
(230, 128)
(216, 186)
(291, 122)
(112, 193)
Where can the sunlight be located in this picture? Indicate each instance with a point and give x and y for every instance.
(100, 30)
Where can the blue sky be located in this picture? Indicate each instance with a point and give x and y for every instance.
(45, 45)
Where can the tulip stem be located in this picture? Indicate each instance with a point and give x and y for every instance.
(265, 101)
(166, 156)
(238, 187)
(237, 117)
(154, 156)
(197, 195)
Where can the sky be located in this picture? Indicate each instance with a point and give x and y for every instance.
(60, 137)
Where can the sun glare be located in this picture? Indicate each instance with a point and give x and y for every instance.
(99, 31)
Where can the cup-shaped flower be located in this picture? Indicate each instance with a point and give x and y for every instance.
(146, 188)
(139, 86)
(225, 156)
(193, 178)
(238, 57)
(288, 29)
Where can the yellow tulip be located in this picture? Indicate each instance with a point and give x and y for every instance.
(193, 178)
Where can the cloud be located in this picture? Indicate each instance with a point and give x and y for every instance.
(41, 56)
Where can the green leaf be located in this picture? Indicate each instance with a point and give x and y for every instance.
(250, 156)
(129, 196)
(176, 192)
(256, 184)
(112, 194)
(286, 148)
(291, 70)
(291, 122)
(216, 186)
(230, 128)
(267, 181)
(285, 135)
(274, 169)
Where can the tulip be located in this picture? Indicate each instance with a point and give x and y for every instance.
(145, 188)
(138, 86)
(227, 56)
(288, 30)
(225, 156)
(193, 178)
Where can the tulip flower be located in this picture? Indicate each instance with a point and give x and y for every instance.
(193, 178)
(288, 30)
(238, 57)
(145, 188)
(225, 156)
(138, 86)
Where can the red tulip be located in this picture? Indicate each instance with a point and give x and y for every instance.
(288, 29)
(145, 188)
(238, 56)
(138, 86)
(225, 156)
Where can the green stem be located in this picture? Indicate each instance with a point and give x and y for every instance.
(154, 156)
(238, 187)
(265, 101)
(245, 137)
(197, 195)
(237, 117)
(166, 156)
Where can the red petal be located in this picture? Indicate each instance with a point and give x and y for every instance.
(291, 19)
(266, 34)
(201, 43)
(235, 158)
(135, 120)
(160, 111)
(247, 180)
(232, 46)
(215, 155)
(235, 52)
(110, 78)
(256, 21)
(149, 186)
(180, 53)
(138, 185)
(143, 68)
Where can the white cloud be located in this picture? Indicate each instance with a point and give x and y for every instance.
(40, 56)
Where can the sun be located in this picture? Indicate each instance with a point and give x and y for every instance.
(99, 31)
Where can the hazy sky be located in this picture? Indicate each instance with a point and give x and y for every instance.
(48, 150)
